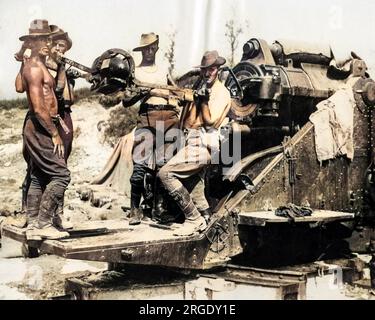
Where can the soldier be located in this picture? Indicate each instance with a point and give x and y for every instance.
(42, 142)
(61, 43)
(65, 81)
(157, 115)
(183, 175)
(64, 93)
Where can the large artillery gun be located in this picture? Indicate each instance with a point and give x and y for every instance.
(275, 89)
(284, 83)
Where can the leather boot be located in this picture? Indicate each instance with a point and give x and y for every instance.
(46, 232)
(32, 209)
(184, 201)
(160, 208)
(48, 205)
(193, 220)
(59, 221)
(135, 216)
(191, 226)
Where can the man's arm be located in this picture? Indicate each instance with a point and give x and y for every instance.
(217, 107)
(19, 84)
(202, 104)
(206, 114)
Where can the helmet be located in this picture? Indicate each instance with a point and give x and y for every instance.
(112, 71)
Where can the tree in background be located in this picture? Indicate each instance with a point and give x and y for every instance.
(170, 52)
(232, 32)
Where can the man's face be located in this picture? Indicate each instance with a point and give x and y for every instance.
(210, 74)
(60, 46)
(43, 46)
(149, 52)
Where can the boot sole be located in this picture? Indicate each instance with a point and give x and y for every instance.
(56, 237)
(39, 237)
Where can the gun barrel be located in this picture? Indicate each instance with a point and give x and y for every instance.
(184, 93)
(76, 64)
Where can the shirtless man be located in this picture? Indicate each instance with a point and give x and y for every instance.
(42, 142)
(64, 93)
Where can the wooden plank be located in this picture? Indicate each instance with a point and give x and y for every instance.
(117, 224)
(14, 233)
(142, 235)
(121, 229)
(121, 235)
(19, 234)
(261, 218)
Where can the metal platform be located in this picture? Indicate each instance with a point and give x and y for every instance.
(148, 243)
(102, 240)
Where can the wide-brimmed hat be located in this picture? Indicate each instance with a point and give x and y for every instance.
(38, 28)
(59, 34)
(147, 39)
(211, 58)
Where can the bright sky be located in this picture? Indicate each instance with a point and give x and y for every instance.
(97, 25)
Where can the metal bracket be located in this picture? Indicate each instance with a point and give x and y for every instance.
(218, 235)
(292, 166)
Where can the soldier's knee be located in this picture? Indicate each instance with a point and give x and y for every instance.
(138, 175)
(136, 179)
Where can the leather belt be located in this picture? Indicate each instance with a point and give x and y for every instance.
(148, 107)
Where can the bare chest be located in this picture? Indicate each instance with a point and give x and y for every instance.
(48, 83)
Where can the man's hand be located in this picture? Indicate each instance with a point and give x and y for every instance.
(73, 74)
(127, 93)
(202, 95)
(58, 146)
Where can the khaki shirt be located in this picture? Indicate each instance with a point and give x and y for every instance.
(154, 74)
(219, 104)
